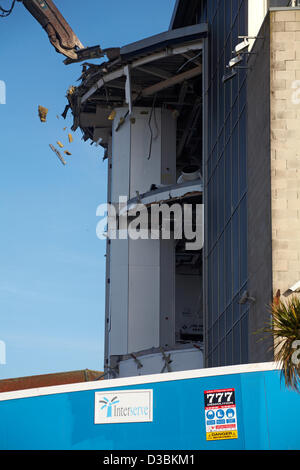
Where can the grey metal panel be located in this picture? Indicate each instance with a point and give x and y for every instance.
(144, 282)
(168, 147)
(145, 171)
(167, 293)
(159, 41)
(107, 268)
(118, 301)
(120, 157)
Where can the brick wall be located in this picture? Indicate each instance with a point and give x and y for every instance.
(285, 147)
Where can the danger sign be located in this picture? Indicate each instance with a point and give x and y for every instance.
(220, 414)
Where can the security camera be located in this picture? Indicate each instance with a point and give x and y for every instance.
(291, 290)
(228, 76)
(235, 61)
(246, 298)
(242, 46)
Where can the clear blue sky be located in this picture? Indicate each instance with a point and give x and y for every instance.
(52, 266)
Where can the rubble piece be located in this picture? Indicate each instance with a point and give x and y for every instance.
(63, 161)
(67, 152)
(71, 90)
(64, 128)
(112, 115)
(65, 112)
(60, 144)
(70, 138)
(42, 113)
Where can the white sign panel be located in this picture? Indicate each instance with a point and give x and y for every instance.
(124, 406)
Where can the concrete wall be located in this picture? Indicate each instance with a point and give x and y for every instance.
(285, 147)
(259, 193)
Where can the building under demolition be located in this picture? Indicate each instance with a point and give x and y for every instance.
(205, 115)
(189, 115)
(145, 107)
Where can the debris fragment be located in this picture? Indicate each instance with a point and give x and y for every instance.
(112, 115)
(60, 144)
(70, 138)
(42, 113)
(121, 121)
(64, 128)
(67, 152)
(65, 112)
(71, 90)
(58, 154)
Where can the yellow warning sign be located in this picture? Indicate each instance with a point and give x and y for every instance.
(221, 435)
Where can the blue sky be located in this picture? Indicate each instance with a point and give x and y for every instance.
(52, 266)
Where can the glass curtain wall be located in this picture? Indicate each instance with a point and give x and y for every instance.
(226, 188)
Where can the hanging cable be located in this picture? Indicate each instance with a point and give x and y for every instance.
(4, 13)
(188, 61)
(149, 125)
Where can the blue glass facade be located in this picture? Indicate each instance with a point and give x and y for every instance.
(225, 164)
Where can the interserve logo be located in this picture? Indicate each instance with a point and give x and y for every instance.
(123, 406)
(108, 404)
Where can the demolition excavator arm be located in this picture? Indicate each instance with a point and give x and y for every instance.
(59, 32)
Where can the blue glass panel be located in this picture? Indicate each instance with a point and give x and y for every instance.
(236, 344)
(235, 252)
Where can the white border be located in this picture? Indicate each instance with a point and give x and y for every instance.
(126, 420)
(142, 379)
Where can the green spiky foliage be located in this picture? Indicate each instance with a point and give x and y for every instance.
(284, 326)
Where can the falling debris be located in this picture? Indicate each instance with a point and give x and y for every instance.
(57, 116)
(42, 113)
(112, 115)
(58, 154)
(64, 114)
(64, 128)
(60, 144)
(67, 152)
(70, 138)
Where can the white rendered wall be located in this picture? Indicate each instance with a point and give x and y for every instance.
(257, 10)
(182, 359)
(142, 272)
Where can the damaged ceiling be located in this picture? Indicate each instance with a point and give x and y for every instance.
(162, 71)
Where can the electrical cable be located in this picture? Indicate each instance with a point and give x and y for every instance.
(149, 124)
(5, 13)
(188, 61)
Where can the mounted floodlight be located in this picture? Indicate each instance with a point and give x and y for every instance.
(246, 298)
(293, 289)
(235, 61)
(228, 76)
(242, 46)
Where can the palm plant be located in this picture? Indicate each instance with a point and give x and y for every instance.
(284, 326)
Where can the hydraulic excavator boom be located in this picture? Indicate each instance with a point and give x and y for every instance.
(61, 35)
